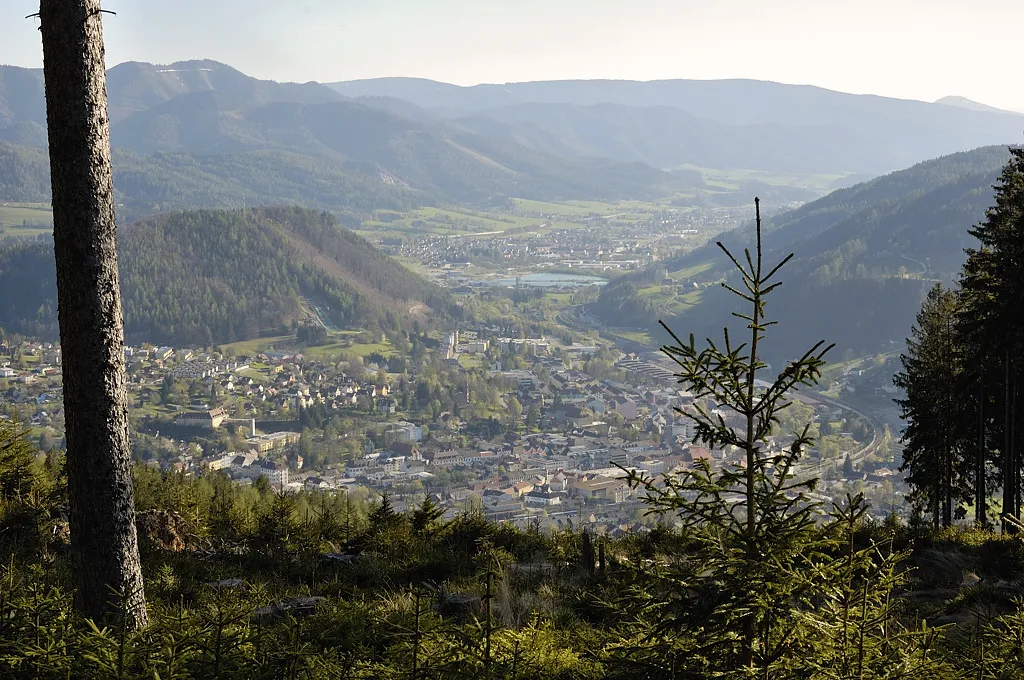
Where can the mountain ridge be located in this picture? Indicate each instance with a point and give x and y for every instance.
(897, 132)
(202, 277)
(210, 109)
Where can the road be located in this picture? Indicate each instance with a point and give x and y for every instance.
(877, 428)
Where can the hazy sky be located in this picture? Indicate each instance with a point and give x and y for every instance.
(921, 49)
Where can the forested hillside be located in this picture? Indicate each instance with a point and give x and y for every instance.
(205, 277)
(864, 255)
(24, 174)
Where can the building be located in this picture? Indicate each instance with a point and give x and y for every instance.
(192, 370)
(444, 458)
(209, 420)
(276, 473)
(522, 379)
(276, 440)
(541, 499)
(601, 488)
(404, 432)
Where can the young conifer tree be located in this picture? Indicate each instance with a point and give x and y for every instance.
(752, 522)
(767, 584)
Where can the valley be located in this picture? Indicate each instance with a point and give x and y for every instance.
(555, 341)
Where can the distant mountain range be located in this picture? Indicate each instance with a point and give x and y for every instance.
(204, 109)
(200, 133)
(205, 277)
(874, 248)
(710, 123)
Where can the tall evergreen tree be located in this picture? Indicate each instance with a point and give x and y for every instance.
(992, 326)
(104, 540)
(935, 457)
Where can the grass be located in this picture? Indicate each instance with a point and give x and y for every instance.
(561, 299)
(454, 221)
(636, 336)
(256, 345)
(343, 345)
(470, 361)
(339, 348)
(444, 221)
(733, 179)
(692, 270)
(626, 210)
(25, 219)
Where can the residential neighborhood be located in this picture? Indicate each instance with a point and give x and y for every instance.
(528, 436)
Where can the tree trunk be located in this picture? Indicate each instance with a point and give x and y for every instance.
(105, 549)
(1008, 462)
(1014, 466)
(979, 471)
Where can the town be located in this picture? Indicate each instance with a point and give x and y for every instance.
(533, 431)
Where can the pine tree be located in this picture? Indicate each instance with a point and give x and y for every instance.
(753, 523)
(425, 517)
(104, 540)
(991, 324)
(935, 456)
(16, 475)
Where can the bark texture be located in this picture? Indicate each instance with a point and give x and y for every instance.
(105, 548)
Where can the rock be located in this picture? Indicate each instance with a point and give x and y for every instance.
(459, 604)
(293, 606)
(533, 567)
(165, 530)
(225, 583)
(340, 557)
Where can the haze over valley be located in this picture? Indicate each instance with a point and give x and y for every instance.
(382, 369)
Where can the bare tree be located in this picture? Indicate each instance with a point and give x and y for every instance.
(105, 552)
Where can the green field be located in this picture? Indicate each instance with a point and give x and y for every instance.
(731, 180)
(569, 208)
(455, 222)
(340, 348)
(257, 345)
(626, 210)
(335, 349)
(470, 361)
(636, 336)
(673, 302)
(691, 271)
(442, 221)
(25, 219)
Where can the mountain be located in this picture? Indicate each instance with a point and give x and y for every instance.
(162, 182)
(136, 86)
(437, 159)
(205, 277)
(24, 174)
(664, 136)
(965, 103)
(864, 257)
(818, 127)
(210, 110)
